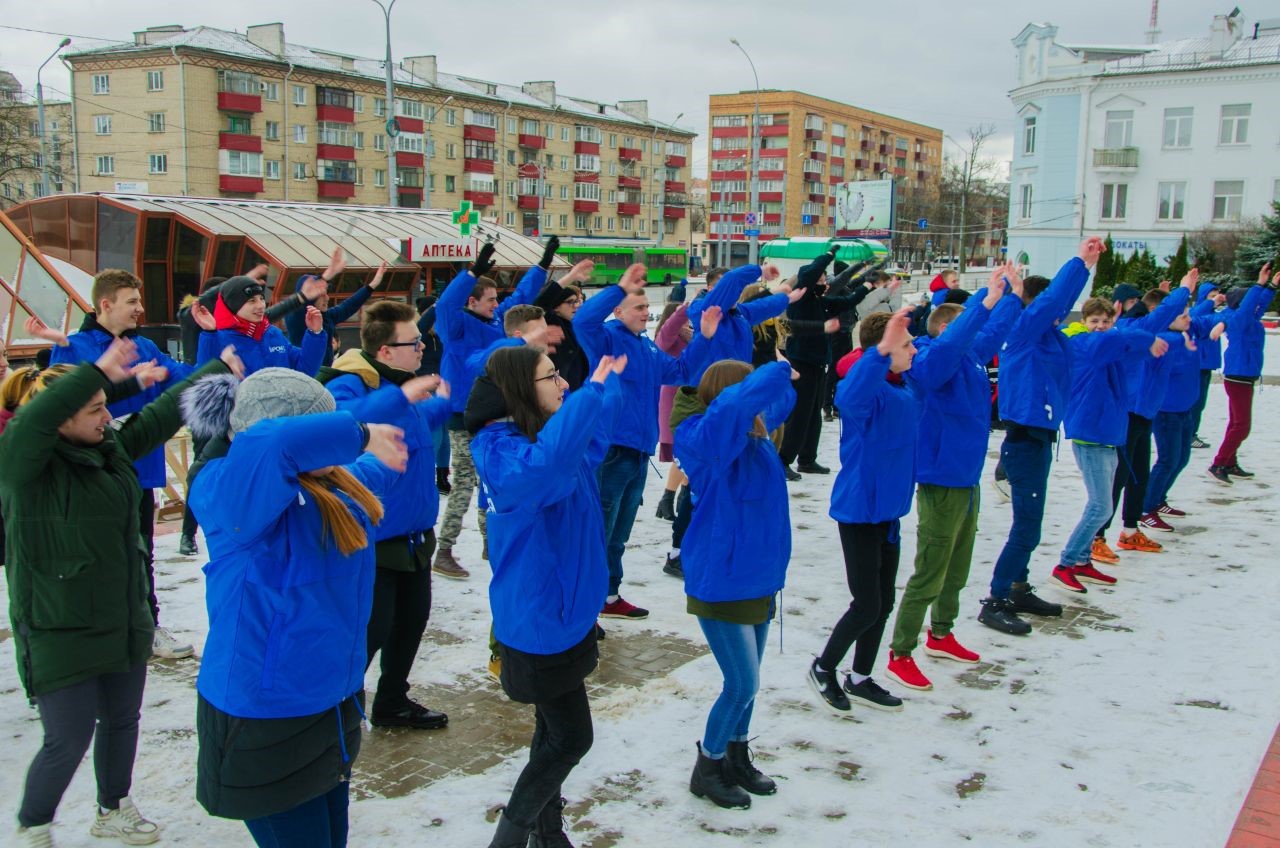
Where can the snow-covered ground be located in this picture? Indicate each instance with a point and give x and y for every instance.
(1142, 725)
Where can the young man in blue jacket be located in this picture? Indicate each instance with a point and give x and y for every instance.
(635, 434)
(295, 322)
(734, 339)
(469, 319)
(1210, 300)
(240, 320)
(117, 297)
(949, 379)
(1035, 379)
(372, 384)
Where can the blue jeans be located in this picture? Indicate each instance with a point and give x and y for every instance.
(1026, 461)
(1173, 432)
(1098, 468)
(318, 823)
(738, 649)
(440, 439)
(622, 476)
(1206, 377)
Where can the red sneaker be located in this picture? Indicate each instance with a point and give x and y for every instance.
(621, 609)
(904, 670)
(1153, 521)
(1165, 509)
(1089, 574)
(1065, 577)
(948, 648)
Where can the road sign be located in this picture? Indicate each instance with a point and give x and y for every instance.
(806, 219)
(751, 233)
(751, 218)
(923, 223)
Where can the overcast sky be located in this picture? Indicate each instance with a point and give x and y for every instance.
(939, 62)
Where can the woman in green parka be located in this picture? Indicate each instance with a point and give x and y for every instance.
(82, 628)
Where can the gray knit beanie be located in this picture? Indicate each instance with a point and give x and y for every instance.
(277, 393)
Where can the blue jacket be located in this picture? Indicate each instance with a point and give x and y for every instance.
(734, 340)
(1147, 388)
(879, 423)
(87, 346)
(478, 360)
(1035, 362)
(1210, 349)
(274, 351)
(296, 321)
(464, 333)
(949, 379)
(409, 507)
(1101, 363)
(648, 369)
(1245, 336)
(739, 541)
(287, 611)
(546, 523)
(1183, 379)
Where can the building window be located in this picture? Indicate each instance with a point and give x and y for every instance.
(300, 171)
(512, 123)
(270, 91)
(271, 169)
(1234, 127)
(300, 133)
(728, 121)
(1119, 129)
(587, 134)
(1177, 127)
(343, 98)
(451, 151)
(359, 176)
(1171, 201)
(613, 141)
(238, 163)
(1228, 199)
(335, 171)
(106, 165)
(564, 133)
(450, 117)
(473, 149)
(586, 191)
(480, 119)
(239, 125)
(158, 163)
(613, 196)
(564, 222)
(380, 143)
(586, 162)
(155, 122)
(328, 132)
(1029, 136)
(380, 107)
(359, 103)
(626, 224)
(1024, 204)
(511, 157)
(549, 131)
(814, 122)
(564, 192)
(408, 108)
(239, 82)
(155, 82)
(837, 130)
(1114, 199)
(509, 220)
(450, 184)
(101, 83)
(273, 131)
(609, 225)
(299, 95)
(528, 126)
(379, 178)
(642, 226)
(580, 222)
(102, 124)
(357, 140)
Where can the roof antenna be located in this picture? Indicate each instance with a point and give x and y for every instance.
(1153, 28)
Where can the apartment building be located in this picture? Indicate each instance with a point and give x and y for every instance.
(808, 146)
(209, 112)
(20, 158)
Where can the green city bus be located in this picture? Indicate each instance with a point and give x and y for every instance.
(612, 260)
(790, 254)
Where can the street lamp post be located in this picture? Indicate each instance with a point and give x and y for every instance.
(964, 195)
(392, 129)
(44, 156)
(754, 256)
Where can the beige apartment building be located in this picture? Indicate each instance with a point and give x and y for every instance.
(213, 113)
(20, 162)
(808, 146)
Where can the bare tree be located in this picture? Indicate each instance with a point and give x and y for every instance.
(972, 171)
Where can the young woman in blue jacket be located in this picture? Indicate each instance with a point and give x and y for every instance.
(1241, 367)
(536, 454)
(735, 554)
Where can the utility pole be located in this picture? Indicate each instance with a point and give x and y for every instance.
(393, 128)
(754, 256)
(44, 156)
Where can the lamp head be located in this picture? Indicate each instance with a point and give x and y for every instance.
(63, 43)
(734, 42)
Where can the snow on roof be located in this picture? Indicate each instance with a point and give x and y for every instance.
(1197, 54)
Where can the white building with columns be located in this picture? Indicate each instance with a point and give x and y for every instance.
(1145, 142)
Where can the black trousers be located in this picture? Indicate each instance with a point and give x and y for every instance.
(105, 710)
(147, 527)
(1132, 474)
(189, 523)
(871, 566)
(804, 425)
(684, 514)
(401, 608)
(562, 736)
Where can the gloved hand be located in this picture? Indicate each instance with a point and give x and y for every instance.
(484, 260)
(549, 253)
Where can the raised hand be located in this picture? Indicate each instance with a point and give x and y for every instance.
(314, 320)
(377, 275)
(633, 279)
(1191, 280)
(116, 360)
(549, 253)
(1090, 249)
(38, 329)
(1217, 331)
(484, 260)
(1014, 275)
(555, 335)
(894, 284)
(420, 388)
(259, 272)
(710, 321)
(579, 273)
(770, 272)
(232, 359)
(608, 365)
(1263, 273)
(1165, 284)
(337, 264)
(442, 390)
(203, 317)
(313, 289)
(149, 373)
(896, 332)
(387, 444)
(794, 294)
(1187, 341)
(1159, 347)
(831, 325)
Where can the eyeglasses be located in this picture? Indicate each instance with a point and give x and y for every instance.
(415, 343)
(554, 375)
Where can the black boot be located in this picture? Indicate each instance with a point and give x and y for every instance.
(187, 546)
(998, 614)
(744, 772)
(509, 834)
(711, 780)
(667, 506)
(548, 830)
(442, 481)
(1024, 599)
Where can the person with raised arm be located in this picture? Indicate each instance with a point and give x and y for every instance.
(560, 299)
(239, 318)
(734, 339)
(295, 321)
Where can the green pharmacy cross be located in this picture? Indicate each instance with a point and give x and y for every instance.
(465, 218)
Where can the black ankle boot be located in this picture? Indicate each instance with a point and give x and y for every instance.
(1024, 599)
(509, 834)
(744, 772)
(667, 506)
(711, 780)
(442, 481)
(548, 830)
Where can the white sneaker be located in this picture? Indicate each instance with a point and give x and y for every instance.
(35, 837)
(125, 824)
(166, 645)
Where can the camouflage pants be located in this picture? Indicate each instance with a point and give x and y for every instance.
(464, 482)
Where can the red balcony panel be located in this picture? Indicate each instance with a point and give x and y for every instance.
(866, 145)
(817, 156)
(836, 140)
(632, 154)
(533, 141)
(586, 206)
(337, 114)
(586, 177)
(774, 153)
(773, 217)
(411, 125)
(730, 132)
(818, 198)
(899, 172)
(730, 154)
(527, 201)
(770, 197)
(884, 148)
(628, 182)
(861, 164)
(628, 208)
(589, 148)
(677, 161)
(236, 141)
(920, 156)
(530, 171)
(774, 130)
(766, 175)
(812, 133)
(878, 167)
(336, 151)
(479, 198)
(673, 212)
(831, 201)
(239, 185)
(405, 159)
(673, 187)
(477, 166)
(329, 189)
(475, 132)
(920, 175)
(738, 196)
(410, 190)
(735, 175)
(230, 102)
(835, 179)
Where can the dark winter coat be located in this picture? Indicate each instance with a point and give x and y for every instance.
(296, 321)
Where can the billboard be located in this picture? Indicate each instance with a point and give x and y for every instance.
(864, 209)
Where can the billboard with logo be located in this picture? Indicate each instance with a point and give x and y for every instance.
(864, 209)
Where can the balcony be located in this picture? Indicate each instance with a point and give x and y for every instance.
(479, 198)
(837, 140)
(818, 198)
(878, 167)
(586, 177)
(229, 101)
(237, 141)
(589, 148)
(409, 179)
(770, 197)
(772, 217)
(528, 201)
(334, 188)
(861, 164)
(340, 152)
(628, 182)
(920, 175)
(774, 130)
(475, 132)
(673, 212)
(812, 133)
(765, 174)
(673, 187)
(899, 172)
(629, 154)
(730, 132)
(816, 156)
(239, 185)
(1115, 157)
(477, 166)
(884, 149)
(773, 153)
(337, 114)
(586, 206)
(628, 208)
(533, 141)
(920, 156)
(405, 159)
(674, 161)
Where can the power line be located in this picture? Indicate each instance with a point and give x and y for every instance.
(67, 34)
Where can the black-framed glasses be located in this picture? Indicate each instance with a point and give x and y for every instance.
(554, 375)
(414, 343)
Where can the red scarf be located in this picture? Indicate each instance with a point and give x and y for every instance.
(846, 362)
(228, 320)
